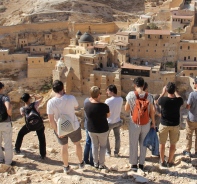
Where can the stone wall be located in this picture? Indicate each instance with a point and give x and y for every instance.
(40, 69)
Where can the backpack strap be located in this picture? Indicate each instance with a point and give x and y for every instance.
(136, 94)
(146, 95)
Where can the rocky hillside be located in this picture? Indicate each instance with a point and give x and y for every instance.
(30, 11)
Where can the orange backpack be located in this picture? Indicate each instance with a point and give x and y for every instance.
(140, 113)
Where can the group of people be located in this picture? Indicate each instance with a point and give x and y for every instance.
(161, 113)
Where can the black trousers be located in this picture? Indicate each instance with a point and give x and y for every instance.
(41, 137)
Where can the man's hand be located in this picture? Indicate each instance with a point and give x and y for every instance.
(153, 126)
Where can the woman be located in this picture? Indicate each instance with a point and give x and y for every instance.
(97, 126)
(24, 130)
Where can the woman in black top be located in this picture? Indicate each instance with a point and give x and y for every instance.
(97, 126)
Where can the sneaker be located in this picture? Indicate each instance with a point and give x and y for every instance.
(82, 164)
(116, 155)
(13, 163)
(134, 168)
(42, 157)
(170, 164)
(108, 154)
(16, 151)
(141, 167)
(96, 165)
(67, 169)
(103, 167)
(163, 164)
(187, 153)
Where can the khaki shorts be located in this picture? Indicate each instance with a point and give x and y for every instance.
(173, 132)
(74, 137)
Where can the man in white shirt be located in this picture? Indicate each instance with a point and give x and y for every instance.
(65, 104)
(115, 105)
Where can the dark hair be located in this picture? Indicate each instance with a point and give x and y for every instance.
(112, 88)
(145, 86)
(170, 87)
(156, 97)
(139, 82)
(25, 97)
(1, 85)
(58, 86)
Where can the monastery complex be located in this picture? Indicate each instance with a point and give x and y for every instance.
(160, 46)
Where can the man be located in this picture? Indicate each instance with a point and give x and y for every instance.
(5, 128)
(115, 105)
(170, 119)
(65, 104)
(191, 120)
(137, 132)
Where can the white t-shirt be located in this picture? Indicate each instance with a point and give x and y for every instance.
(63, 105)
(115, 106)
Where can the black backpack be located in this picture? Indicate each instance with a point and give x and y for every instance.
(32, 118)
(3, 110)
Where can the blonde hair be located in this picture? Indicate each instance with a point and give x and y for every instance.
(94, 91)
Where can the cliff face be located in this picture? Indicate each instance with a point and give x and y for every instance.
(30, 11)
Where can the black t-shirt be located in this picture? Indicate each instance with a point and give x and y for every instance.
(170, 110)
(97, 117)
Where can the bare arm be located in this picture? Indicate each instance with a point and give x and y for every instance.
(188, 106)
(9, 108)
(108, 115)
(38, 98)
(52, 122)
(152, 115)
(127, 107)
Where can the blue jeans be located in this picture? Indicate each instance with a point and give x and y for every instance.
(88, 150)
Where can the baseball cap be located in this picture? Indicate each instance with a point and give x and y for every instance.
(1, 85)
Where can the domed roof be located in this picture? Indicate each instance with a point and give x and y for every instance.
(86, 37)
(79, 33)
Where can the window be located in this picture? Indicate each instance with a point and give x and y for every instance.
(184, 58)
(180, 47)
(155, 44)
(188, 57)
(194, 58)
(148, 36)
(164, 45)
(153, 71)
(146, 50)
(139, 44)
(188, 47)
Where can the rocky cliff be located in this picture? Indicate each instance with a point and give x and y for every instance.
(30, 11)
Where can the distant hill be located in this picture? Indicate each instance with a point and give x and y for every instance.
(29, 11)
